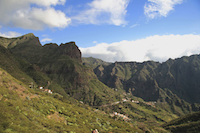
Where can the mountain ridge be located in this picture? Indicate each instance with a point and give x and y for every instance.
(174, 81)
(60, 68)
(60, 65)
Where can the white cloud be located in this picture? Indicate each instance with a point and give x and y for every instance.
(10, 34)
(157, 48)
(132, 26)
(48, 2)
(157, 8)
(51, 17)
(104, 11)
(46, 40)
(32, 14)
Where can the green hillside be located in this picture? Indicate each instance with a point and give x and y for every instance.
(33, 110)
(112, 97)
(173, 84)
(58, 68)
(185, 124)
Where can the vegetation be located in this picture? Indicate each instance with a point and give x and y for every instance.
(93, 62)
(140, 96)
(186, 124)
(58, 68)
(173, 84)
(32, 110)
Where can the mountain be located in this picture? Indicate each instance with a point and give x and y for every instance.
(89, 93)
(174, 82)
(79, 102)
(93, 62)
(25, 109)
(55, 67)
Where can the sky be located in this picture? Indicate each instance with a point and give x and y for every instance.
(111, 30)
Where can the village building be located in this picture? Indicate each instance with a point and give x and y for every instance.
(40, 87)
(135, 101)
(48, 91)
(124, 100)
(95, 131)
(124, 117)
(151, 103)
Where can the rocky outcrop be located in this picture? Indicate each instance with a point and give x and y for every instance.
(72, 50)
(62, 66)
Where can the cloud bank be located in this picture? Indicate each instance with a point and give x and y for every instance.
(104, 11)
(32, 14)
(10, 34)
(157, 48)
(158, 8)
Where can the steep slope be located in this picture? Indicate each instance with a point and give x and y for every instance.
(185, 124)
(174, 81)
(14, 65)
(59, 68)
(181, 76)
(26, 72)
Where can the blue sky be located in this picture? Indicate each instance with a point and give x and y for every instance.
(112, 30)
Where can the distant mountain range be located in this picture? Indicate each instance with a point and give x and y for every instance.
(143, 93)
(181, 76)
(175, 82)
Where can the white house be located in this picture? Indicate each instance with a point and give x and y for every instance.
(49, 91)
(40, 87)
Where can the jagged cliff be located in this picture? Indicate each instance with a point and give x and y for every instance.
(175, 82)
(57, 67)
(144, 79)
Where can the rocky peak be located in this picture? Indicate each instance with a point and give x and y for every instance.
(29, 35)
(25, 39)
(71, 49)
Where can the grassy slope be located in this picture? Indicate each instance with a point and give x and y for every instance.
(185, 124)
(30, 110)
(146, 117)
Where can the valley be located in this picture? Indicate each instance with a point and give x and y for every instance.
(83, 94)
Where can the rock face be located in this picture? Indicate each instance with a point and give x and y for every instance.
(155, 81)
(29, 47)
(138, 78)
(59, 66)
(72, 50)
